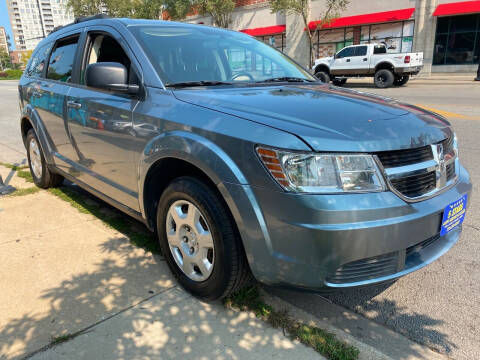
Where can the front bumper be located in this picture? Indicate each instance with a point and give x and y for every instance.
(334, 241)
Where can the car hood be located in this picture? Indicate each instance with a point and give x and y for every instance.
(324, 59)
(326, 117)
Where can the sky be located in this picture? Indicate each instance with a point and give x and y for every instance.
(5, 21)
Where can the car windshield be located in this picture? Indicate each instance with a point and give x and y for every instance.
(205, 56)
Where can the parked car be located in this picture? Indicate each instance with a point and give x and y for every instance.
(239, 173)
(369, 60)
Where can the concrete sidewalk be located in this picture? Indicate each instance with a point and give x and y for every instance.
(64, 272)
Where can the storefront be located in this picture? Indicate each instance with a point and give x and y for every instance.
(457, 38)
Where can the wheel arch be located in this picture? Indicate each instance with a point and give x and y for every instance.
(322, 67)
(385, 65)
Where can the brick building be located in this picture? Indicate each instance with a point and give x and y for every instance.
(447, 31)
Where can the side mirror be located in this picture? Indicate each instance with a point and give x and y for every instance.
(109, 76)
(334, 56)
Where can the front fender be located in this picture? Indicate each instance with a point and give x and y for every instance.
(230, 181)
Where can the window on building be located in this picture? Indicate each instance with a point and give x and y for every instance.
(278, 41)
(457, 40)
(61, 60)
(396, 36)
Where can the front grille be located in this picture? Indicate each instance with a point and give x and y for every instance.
(413, 182)
(379, 266)
(416, 185)
(405, 157)
(422, 245)
(366, 269)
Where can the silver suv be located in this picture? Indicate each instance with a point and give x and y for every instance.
(240, 160)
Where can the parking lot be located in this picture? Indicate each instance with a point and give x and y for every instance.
(438, 305)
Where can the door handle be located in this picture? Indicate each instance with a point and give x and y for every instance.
(365, 59)
(348, 60)
(74, 105)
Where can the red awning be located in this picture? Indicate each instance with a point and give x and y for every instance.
(373, 18)
(268, 30)
(464, 7)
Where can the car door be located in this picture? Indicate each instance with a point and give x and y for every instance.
(51, 90)
(359, 62)
(341, 64)
(99, 122)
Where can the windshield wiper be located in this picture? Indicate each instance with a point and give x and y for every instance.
(197, 83)
(285, 79)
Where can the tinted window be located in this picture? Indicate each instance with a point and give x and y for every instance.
(380, 49)
(37, 64)
(61, 60)
(347, 52)
(360, 51)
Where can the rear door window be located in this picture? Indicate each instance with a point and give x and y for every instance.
(379, 49)
(360, 50)
(61, 60)
(39, 59)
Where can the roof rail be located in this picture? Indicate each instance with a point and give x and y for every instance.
(81, 19)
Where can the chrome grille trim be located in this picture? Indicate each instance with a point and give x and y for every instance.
(445, 153)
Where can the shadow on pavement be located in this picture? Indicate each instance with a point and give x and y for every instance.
(148, 315)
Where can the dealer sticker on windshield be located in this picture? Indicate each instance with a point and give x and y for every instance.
(453, 215)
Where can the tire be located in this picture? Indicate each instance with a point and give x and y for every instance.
(339, 82)
(41, 174)
(323, 76)
(401, 80)
(383, 78)
(211, 241)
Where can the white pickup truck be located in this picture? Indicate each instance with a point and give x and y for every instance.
(369, 60)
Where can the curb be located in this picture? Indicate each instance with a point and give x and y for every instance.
(395, 346)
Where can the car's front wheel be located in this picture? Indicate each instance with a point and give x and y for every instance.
(199, 240)
(41, 174)
(323, 76)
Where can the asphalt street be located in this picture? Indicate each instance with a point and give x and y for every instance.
(438, 305)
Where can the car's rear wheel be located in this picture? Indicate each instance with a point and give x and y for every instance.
(199, 240)
(383, 78)
(323, 76)
(401, 80)
(339, 82)
(41, 174)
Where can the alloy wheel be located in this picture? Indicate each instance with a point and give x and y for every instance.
(35, 158)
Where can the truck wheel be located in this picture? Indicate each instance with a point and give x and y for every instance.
(401, 80)
(323, 77)
(383, 78)
(42, 176)
(339, 82)
(199, 240)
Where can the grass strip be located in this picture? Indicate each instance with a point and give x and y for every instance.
(25, 191)
(13, 167)
(322, 341)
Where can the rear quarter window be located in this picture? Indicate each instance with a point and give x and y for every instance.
(38, 61)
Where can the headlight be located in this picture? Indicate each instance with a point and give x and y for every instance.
(322, 173)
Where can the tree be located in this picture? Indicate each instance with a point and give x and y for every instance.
(5, 61)
(220, 10)
(333, 9)
(26, 55)
(86, 7)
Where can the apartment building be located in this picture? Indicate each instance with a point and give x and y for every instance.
(446, 31)
(3, 40)
(32, 20)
